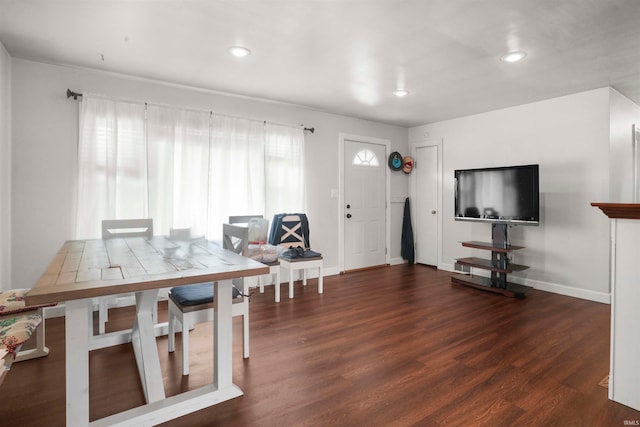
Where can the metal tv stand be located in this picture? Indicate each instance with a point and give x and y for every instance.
(499, 265)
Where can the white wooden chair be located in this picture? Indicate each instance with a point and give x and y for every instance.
(120, 228)
(193, 304)
(235, 237)
(292, 231)
(274, 274)
(235, 234)
(291, 265)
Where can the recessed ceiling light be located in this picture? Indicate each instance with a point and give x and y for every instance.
(513, 56)
(400, 93)
(239, 51)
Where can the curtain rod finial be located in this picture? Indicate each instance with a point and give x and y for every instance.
(73, 94)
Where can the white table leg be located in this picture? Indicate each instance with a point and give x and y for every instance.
(143, 340)
(222, 336)
(78, 315)
(159, 408)
(320, 288)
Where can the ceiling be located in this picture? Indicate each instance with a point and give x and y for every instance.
(346, 56)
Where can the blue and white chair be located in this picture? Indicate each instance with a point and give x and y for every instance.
(193, 304)
(291, 230)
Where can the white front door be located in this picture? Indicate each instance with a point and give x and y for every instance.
(364, 204)
(426, 205)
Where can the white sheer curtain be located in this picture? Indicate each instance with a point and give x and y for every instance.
(237, 170)
(112, 163)
(284, 171)
(183, 168)
(178, 162)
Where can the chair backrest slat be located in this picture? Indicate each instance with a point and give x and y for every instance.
(242, 219)
(113, 228)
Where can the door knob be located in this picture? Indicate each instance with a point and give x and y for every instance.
(433, 212)
(348, 215)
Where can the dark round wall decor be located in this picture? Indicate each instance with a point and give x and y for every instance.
(395, 161)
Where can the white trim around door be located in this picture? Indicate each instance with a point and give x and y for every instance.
(413, 188)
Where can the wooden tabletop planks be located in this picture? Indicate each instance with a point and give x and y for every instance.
(91, 268)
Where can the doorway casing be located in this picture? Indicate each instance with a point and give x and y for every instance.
(341, 202)
(414, 188)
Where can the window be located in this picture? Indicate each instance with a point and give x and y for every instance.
(183, 168)
(284, 171)
(366, 158)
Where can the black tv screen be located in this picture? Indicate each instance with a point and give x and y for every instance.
(503, 194)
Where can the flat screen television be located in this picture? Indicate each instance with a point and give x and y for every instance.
(507, 194)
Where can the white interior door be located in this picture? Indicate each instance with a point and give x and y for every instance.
(364, 204)
(426, 205)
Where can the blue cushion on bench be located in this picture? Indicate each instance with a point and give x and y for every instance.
(199, 293)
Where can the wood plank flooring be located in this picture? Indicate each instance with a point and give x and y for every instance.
(396, 346)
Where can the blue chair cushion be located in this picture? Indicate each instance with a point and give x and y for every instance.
(311, 254)
(299, 253)
(196, 294)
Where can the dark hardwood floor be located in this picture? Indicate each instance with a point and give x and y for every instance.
(396, 346)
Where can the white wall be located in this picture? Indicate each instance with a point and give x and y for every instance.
(5, 169)
(44, 155)
(569, 138)
(624, 114)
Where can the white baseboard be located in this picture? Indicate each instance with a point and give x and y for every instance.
(448, 267)
(601, 297)
(540, 285)
(397, 261)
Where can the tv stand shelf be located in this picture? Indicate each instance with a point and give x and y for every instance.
(487, 264)
(491, 246)
(499, 265)
(512, 290)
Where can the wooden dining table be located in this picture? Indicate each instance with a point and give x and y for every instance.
(85, 269)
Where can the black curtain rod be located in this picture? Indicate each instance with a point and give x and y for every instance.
(75, 95)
